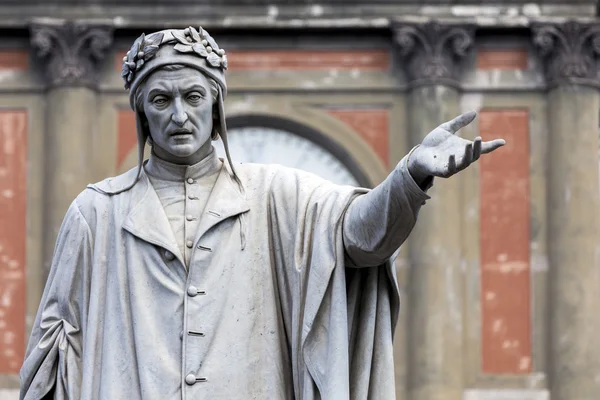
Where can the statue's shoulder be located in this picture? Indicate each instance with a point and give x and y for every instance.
(275, 177)
(261, 174)
(103, 198)
(115, 184)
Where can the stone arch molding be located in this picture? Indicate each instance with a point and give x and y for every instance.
(332, 129)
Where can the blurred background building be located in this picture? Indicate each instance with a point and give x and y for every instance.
(500, 280)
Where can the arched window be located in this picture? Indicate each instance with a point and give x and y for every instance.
(273, 140)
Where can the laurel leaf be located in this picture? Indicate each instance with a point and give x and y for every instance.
(200, 50)
(195, 35)
(180, 36)
(211, 41)
(183, 48)
(135, 48)
(150, 51)
(155, 39)
(214, 59)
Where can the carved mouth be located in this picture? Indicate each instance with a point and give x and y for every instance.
(180, 132)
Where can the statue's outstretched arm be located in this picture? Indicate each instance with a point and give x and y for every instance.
(378, 222)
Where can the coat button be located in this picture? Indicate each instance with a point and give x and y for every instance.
(192, 291)
(181, 335)
(189, 244)
(190, 180)
(190, 217)
(190, 379)
(169, 256)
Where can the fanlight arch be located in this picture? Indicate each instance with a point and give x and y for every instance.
(276, 140)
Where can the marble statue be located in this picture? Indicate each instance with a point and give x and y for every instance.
(191, 277)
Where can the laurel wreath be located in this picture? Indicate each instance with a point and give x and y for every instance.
(188, 41)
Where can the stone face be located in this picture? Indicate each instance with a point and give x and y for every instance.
(432, 51)
(570, 51)
(70, 51)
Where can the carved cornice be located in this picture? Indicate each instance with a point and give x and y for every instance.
(70, 51)
(431, 51)
(569, 51)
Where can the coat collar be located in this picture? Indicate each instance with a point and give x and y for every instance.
(148, 221)
(164, 170)
(226, 200)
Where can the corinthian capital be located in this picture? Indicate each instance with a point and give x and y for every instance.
(70, 51)
(431, 51)
(569, 50)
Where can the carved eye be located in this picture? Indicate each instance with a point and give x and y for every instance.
(159, 100)
(194, 97)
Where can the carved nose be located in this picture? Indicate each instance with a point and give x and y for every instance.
(179, 117)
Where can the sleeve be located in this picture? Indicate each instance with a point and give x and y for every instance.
(341, 320)
(52, 365)
(378, 222)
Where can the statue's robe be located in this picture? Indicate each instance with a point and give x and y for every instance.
(271, 306)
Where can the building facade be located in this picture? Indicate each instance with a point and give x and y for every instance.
(500, 280)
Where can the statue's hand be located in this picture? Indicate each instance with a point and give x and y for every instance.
(443, 154)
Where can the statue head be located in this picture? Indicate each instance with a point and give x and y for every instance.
(177, 86)
(176, 105)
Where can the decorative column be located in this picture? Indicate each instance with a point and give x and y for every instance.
(68, 53)
(430, 53)
(570, 52)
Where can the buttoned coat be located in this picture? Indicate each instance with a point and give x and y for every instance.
(269, 306)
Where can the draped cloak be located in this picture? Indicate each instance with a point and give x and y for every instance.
(283, 312)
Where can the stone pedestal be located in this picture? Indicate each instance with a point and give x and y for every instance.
(68, 53)
(435, 363)
(573, 208)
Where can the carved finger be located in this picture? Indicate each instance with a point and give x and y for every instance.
(467, 157)
(492, 145)
(459, 122)
(451, 165)
(477, 148)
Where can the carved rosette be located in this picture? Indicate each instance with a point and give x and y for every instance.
(432, 51)
(70, 51)
(569, 51)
